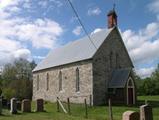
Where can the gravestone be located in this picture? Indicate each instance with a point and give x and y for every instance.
(131, 115)
(146, 112)
(39, 105)
(26, 105)
(0, 105)
(13, 106)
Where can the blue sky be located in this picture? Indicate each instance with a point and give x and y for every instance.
(31, 28)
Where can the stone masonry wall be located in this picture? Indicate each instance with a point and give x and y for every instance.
(68, 83)
(103, 65)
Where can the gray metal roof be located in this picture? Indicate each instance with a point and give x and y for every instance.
(119, 78)
(78, 50)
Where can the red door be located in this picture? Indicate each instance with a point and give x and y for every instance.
(130, 96)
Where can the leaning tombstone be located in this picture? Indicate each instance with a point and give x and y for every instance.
(146, 112)
(13, 106)
(26, 105)
(0, 105)
(39, 105)
(131, 115)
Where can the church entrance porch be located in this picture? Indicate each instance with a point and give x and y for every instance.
(130, 92)
(121, 87)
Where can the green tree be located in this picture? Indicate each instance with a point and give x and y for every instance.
(138, 83)
(155, 79)
(18, 77)
(148, 86)
(9, 93)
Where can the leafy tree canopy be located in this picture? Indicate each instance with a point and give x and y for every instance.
(17, 77)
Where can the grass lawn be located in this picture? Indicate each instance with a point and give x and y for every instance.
(149, 98)
(94, 113)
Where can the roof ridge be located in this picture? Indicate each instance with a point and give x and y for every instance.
(77, 50)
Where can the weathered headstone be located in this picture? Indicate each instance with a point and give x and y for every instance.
(146, 112)
(26, 105)
(13, 106)
(0, 105)
(39, 105)
(131, 115)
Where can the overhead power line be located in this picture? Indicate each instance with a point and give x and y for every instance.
(80, 22)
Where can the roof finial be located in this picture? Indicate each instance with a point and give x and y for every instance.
(114, 5)
(112, 17)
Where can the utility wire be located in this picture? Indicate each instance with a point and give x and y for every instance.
(80, 22)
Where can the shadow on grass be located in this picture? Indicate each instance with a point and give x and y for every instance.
(8, 114)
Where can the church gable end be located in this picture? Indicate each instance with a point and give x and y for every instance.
(111, 55)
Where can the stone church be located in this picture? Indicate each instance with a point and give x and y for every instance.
(95, 70)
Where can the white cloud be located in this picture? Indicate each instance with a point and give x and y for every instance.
(11, 50)
(6, 3)
(22, 53)
(39, 57)
(94, 11)
(142, 45)
(77, 30)
(42, 33)
(27, 5)
(8, 45)
(17, 32)
(96, 30)
(145, 72)
(43, 3)
(14, 9)
(154, 6)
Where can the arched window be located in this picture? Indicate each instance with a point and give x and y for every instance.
(47, 81)
(130, 83)
(60, 81)
(77, 80)
(130, 91)
(37, 82)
